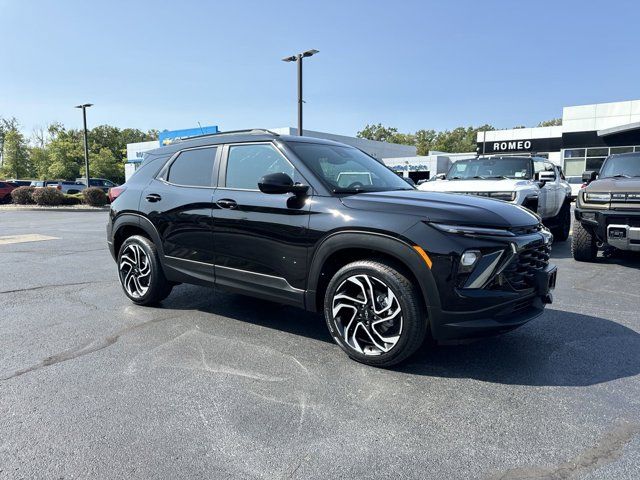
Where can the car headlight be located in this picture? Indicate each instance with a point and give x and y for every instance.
(471, 230)
(506, 196)
(597, 197)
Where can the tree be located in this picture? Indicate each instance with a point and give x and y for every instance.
(15, 155)
(459, 139)
(424, 140)
(105, 165)
(66, 156)
(554, 122)
(40, 161)
(379, 133)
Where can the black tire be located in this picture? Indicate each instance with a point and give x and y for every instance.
(155, 286)
(408, 333)
(561, 231)
(584, 247)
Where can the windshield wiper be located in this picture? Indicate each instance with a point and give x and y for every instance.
(480, 177)
(502, 177)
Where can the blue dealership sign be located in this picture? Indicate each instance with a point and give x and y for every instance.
(167, 136)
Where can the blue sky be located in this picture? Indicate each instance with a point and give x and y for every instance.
(409, 64)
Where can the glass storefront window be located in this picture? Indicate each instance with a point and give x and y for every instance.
(621, 150)
(597, 152)
(574, 153)
(594, 163)
(574, 167)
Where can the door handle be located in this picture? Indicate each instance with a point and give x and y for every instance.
(153, 197)
(227, 203)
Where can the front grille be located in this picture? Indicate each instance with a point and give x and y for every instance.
(521, 271)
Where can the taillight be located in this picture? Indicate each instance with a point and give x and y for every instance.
(583, 185)
(59, 187)
(114, 192)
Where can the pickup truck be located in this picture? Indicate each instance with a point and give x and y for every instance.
(532, 182)
(608, 209)
(65, 186)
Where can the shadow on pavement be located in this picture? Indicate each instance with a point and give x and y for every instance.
(249, 310)
(558, 349)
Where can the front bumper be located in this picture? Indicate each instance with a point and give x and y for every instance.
(508, 310)
(618, 228)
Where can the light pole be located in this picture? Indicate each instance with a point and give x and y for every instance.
(84, 107)
(298, 58)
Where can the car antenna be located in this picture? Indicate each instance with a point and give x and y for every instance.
(201, 130)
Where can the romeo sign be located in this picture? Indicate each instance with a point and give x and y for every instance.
(517, 145)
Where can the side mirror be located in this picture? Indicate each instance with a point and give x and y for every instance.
(546, 176)
(409, 181)
(276, 183)
(589, 176)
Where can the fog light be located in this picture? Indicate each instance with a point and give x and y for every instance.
(469, 259)
(589, 215)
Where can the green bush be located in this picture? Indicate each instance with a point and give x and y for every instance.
(22, 195)
(48, 196)
(95, 197)
(74, 199)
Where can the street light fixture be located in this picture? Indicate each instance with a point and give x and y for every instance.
(298, 58)
(84, 107)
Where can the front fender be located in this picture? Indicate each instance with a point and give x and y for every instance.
(398, 248)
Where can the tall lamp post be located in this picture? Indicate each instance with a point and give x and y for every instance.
(84, 107)
(298, 58)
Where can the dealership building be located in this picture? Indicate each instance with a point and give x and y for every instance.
(587, 135)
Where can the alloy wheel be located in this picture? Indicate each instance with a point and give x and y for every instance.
(367, 314)
(135, 270)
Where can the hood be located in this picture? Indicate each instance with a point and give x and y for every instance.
(611, 185)
(444, 208)
(463, 186)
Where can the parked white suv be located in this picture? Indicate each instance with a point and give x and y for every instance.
(533, 182)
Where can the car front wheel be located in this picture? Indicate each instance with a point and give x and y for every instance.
(375, 313)
(140, 272)
(583, 244)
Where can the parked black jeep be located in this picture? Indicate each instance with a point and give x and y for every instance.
(325, 227)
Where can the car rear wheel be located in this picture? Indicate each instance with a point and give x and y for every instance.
(583, 244)
(140, 272)
(375, 313)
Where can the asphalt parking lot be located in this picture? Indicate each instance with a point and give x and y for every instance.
(214, 385)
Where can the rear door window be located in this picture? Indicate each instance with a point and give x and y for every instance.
(193, 168)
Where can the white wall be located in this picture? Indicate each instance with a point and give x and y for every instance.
(520, 134)
(600, 116)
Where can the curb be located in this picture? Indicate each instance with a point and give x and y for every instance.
(45, 209)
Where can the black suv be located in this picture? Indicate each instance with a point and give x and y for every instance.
(325, 227)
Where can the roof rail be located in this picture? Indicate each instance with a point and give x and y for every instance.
(230, 132)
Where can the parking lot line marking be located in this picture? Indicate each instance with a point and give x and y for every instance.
(29, 237)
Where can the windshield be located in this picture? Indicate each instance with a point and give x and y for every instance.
(575, 180)
(347, 169)
(483, 168)
(627, 165)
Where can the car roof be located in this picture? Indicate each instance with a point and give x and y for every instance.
(255, 135)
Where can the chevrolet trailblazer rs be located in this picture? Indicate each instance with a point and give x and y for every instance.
(284, 218)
